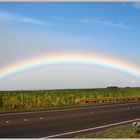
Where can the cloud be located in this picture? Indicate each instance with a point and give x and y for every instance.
(7, 16)
(136, 5)
(107, 23)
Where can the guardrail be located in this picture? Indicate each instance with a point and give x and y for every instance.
(109, 99)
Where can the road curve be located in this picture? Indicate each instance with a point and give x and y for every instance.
(66, 122)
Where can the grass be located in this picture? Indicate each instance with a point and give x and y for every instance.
(17, 100)
(124, 131)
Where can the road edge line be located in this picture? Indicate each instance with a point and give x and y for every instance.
(69, 109)
(93, 128)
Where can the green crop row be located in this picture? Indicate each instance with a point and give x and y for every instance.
(12, 100)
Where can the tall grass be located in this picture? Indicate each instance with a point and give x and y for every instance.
(12, 100)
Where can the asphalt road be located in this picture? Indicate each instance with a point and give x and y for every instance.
(66, 122)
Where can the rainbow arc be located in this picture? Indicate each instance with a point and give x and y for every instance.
(69, 59)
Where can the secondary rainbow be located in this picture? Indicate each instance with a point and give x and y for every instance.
(84, 59)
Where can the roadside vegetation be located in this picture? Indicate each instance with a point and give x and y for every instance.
(124, 131)
(13, 100)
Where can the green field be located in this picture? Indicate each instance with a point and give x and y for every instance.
(13, 100)
(124, 131)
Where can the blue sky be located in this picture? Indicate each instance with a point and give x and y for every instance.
(110, 28)
(86, 22)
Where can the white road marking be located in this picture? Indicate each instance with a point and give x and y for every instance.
(93, 128)
(7, 121)
(25, 120)
(41, 118)
(61, 110)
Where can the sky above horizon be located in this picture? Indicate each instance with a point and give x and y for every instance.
(52, 45)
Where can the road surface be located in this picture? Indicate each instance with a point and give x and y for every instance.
(67, 122)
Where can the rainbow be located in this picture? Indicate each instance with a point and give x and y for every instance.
(86, 59)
